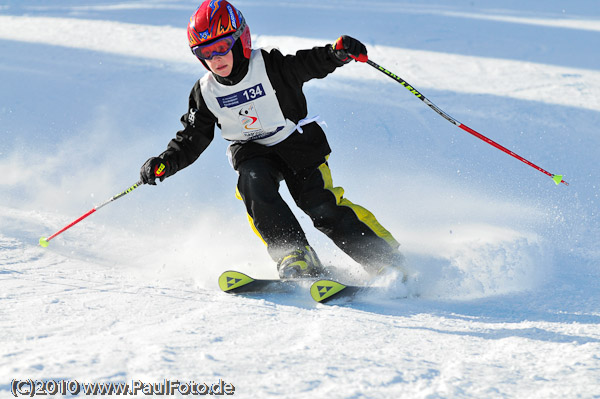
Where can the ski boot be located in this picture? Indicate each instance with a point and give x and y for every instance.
(396, 266)
(300, 263)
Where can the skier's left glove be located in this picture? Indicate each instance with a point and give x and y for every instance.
(154, 168)
(347, 48)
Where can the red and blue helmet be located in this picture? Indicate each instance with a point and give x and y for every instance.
(217, 19)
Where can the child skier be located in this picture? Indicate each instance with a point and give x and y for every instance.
(255, 97)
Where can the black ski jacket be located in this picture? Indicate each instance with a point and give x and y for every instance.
(287, 75)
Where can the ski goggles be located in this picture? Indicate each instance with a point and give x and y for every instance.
(219, 47)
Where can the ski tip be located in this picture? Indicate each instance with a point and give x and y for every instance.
(230, 280)
(44, 242)
(322, 290)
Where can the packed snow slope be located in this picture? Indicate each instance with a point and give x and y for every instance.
(505, 301)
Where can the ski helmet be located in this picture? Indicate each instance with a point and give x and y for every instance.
(216, 19)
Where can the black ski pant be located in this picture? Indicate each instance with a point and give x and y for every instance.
(351, 227)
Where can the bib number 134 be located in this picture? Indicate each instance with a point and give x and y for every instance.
(253, 92)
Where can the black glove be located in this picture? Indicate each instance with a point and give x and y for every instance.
(154, 168)
(346, 47)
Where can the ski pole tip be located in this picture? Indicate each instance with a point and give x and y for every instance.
(559, 179)
(44, 242)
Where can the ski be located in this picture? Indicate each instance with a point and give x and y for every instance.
(321, 290)
(324, 291)
(234, 282)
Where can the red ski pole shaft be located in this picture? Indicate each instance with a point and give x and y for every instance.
(557, 178)
(44, 240)
(73, 223)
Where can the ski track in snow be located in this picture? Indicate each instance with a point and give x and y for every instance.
(91, 322)
(506, 300)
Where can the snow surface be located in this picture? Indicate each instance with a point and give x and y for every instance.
(506, 302)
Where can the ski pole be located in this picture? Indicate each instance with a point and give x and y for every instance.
(557, 178)
(44, 241)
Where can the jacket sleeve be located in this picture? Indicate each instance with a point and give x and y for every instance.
(197, 133)
(288, 73)
(305, 65)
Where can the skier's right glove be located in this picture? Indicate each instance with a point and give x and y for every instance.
(347, 48)
(154, 168)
